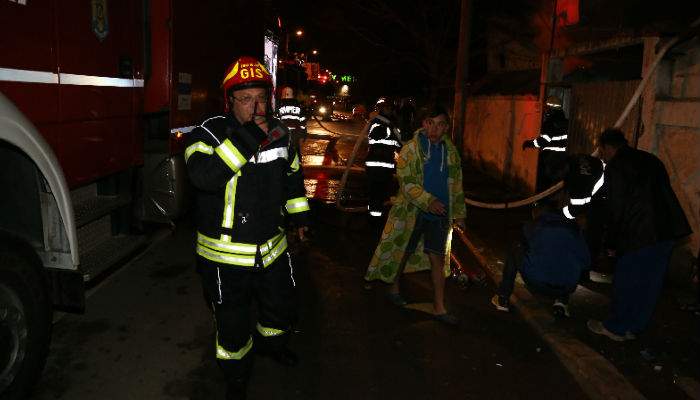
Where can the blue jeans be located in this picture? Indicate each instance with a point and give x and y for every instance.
(639, 277)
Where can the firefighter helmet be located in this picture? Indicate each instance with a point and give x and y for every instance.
(246, 72)
(382, 101)
(554, 102)
(385, 103)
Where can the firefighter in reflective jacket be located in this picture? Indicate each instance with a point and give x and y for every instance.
(291, 115)
(583, 182)
(584, 179)
(380, 164)
(248, 179)
(552, 143)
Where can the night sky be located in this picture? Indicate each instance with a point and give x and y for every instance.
(390, 44)
(374, 46)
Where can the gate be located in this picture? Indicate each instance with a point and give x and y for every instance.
(596, 106)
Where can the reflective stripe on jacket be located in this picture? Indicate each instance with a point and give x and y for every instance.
(383, 143)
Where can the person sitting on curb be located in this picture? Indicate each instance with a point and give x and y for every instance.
(550, 257)
(418, 230)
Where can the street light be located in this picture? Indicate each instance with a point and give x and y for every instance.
(314, 52)
(299, 32)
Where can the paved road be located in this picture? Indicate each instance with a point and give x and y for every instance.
(147, 334)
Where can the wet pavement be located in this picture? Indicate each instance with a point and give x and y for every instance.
(147, 332)
(325, 156)
(661, 363)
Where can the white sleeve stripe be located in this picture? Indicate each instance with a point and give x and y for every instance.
(554, 148)
(212, 135)
(580, 202)
(567, 214)
(598, 184)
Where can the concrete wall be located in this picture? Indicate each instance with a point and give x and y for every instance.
(671, 116)
(494, 129)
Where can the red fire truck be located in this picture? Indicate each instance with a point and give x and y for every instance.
(95, 97)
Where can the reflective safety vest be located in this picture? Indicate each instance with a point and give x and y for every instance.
(551, 143)
(383, 141)
(244, 192)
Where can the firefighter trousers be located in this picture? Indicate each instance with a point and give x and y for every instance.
(381, 186)
(551, 168)
(231, 291)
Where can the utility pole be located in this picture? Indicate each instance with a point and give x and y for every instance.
(546, 58)
(461, 85)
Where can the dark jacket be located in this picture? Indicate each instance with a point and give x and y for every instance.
(291, 114)
(554, 134)
(244, 191)
(583, 182)
(643, 209)
(556, 251)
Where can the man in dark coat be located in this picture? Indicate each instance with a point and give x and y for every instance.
(645, 219)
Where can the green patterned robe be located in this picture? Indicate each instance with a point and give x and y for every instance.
(410, 199)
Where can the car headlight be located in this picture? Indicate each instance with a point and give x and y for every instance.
(322, 110)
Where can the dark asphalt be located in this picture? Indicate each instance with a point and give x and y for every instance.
(148, 334)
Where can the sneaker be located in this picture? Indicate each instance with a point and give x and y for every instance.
(598, 328)
(560, 310)
(500, 303)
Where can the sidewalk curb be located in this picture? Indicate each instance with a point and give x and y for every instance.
(598, 378)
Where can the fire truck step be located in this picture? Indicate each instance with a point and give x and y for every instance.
(108, 254)
(89, 209)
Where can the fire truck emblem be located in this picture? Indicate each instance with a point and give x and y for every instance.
(100, 23)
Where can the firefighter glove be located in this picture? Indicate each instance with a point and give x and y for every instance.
(251, 135)
(528, 144)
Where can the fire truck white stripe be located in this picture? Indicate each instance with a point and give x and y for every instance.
(22, 75)
(30, 76)
(89, 80)
(183, 129)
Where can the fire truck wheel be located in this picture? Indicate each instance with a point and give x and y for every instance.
(25, 323)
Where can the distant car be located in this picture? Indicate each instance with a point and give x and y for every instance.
(323, 109)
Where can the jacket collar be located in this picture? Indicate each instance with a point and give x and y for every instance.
(383, 119)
